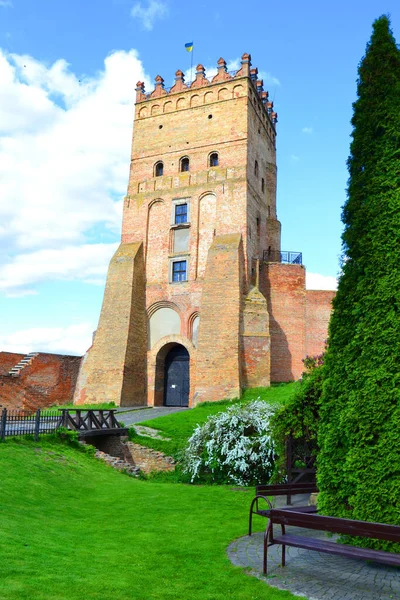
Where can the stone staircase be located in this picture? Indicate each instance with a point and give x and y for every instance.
(24, 362)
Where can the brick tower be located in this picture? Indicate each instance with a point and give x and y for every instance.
(183, 319)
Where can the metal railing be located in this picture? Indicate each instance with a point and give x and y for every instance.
(283, 256)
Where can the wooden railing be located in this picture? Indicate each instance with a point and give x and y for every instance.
(22, 422)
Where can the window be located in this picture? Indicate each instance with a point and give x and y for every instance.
(262, 185)
(214, 159)
(256, 168)
(181, 213)
(184, 164)
(179, 268)
(159, 169)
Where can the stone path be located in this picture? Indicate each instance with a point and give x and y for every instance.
(143, 414)
(315, 575)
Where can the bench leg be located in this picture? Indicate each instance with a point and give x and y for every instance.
(283, 555)
(268, 535)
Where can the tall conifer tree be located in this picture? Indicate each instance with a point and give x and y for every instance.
(359, 463)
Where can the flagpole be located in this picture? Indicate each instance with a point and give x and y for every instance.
(191, 65)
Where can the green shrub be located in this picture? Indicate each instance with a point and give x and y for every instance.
(299, 418)
(234, 446)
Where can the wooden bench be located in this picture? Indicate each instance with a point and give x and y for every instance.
(284, 517)
(280, 489)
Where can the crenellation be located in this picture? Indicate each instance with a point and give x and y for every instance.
(199, 216)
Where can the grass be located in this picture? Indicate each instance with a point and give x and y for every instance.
(179, 426)
(72, 407)
(73, 528)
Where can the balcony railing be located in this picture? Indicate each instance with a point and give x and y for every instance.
(283, 256)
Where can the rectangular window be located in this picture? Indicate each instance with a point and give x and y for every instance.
(181, 213)
(179, 269)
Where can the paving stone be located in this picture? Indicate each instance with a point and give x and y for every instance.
(316, 575)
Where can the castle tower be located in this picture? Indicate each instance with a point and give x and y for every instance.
(183, 319)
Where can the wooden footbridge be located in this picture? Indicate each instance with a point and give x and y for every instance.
(85, 422)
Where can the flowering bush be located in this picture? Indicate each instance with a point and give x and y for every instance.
(234, 446)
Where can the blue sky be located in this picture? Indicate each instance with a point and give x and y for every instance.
(67, 76)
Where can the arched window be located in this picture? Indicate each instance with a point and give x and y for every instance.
(213, 159)
(256, 168)
(184, 164)
(262, 185)
(159, 169)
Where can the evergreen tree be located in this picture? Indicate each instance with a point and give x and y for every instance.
(359, 461)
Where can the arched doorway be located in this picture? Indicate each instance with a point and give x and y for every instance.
(176, 377)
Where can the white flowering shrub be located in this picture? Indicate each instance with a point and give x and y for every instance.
(234, 446)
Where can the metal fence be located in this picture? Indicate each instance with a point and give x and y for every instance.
(23, 422)
(283, 256)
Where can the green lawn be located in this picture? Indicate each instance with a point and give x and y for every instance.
(73, 528)
(71, 407)
(179, 426)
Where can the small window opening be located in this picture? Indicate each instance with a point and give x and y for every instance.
(258, 227)
(160, 126)
(179, 269)
(256, 168)
(210, 116)
(181, 213)
(214, 159)
(159, 169)
(262, 185)
(184, 164)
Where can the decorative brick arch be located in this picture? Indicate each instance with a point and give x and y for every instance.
(195, 315)
(205, 228)
(156, 365)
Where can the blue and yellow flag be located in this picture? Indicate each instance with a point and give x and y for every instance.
(189, 46)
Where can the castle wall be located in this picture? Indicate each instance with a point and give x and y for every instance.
(114, 370)
(218, 354)
(318, 312)
(48, 380)
(256, 341)
(8, 360)
(284, 287)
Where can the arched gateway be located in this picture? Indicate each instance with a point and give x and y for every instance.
(176, 377)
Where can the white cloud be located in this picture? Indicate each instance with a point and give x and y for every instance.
(64, 164)
(73, 339)
(294, 158)
(150, 13)
(5, 3)
(268, 79)
(315, 281)
(307, 130)
(87, 263)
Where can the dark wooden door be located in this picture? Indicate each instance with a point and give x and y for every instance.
(176, 383)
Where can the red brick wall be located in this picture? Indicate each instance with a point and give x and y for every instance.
(8, 360)
(318, 312)
(218, 372)
(49, 379)
(284, 287)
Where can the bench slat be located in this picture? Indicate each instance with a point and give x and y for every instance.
(283, 489)
(379, 531)
(321, 545)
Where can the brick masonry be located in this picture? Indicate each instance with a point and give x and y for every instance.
(49, 379)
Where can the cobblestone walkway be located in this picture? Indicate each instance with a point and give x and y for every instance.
(315, 575)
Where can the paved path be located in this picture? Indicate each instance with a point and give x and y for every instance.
(315, 575)
(136, 416)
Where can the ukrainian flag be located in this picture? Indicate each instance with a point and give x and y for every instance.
(189, 46)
